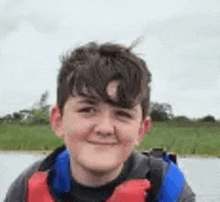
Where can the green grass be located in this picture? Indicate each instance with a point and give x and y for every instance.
(196, 139)
(24, 137)
(185, 139)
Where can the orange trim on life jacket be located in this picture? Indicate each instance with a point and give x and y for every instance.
(130, 191)
(133, 190)
(38, 189)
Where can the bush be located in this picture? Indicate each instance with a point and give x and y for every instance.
(208, 118)
(181, 119)
(159, 116)
(39, 118)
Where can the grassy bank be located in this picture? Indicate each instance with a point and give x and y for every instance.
(25, 137)
(184, 139)
(196, 139)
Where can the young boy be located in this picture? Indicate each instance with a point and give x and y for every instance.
(102, 114)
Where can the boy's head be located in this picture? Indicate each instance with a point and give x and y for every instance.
(101, 110)
(89, 69)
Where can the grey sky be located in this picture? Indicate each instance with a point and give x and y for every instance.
(181, 47)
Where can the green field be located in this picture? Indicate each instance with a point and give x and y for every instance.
(196, 139)
(27, 137)
(188, 139)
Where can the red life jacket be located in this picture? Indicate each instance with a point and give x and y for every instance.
(130, 191)
(38, 189)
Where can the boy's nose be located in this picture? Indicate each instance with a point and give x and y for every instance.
(105, 126)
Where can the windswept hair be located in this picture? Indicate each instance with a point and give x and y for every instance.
(88, 70)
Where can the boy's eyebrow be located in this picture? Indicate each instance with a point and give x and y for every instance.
(128, 109)
(88, 101)
(93, 101)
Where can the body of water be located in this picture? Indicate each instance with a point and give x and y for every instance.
(203, 174)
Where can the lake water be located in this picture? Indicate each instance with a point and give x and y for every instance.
(203, 174)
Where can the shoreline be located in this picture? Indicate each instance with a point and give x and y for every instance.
(46, 152)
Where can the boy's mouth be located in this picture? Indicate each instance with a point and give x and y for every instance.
(102, 143)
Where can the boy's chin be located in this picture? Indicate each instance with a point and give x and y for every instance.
(103, 168)
(101, 165)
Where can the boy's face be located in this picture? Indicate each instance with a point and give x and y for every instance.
(100, 137)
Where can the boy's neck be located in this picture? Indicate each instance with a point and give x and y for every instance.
(94, 179)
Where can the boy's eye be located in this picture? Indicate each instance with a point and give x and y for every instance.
(123, 114)
(87, 110)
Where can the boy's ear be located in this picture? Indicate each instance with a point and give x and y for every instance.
(145, 128)
(147, 124)
(56, 121)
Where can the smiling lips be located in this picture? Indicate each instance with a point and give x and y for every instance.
(103, 143)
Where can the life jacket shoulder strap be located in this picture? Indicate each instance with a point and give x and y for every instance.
(155, 176)
(167, 180)
(38, 189)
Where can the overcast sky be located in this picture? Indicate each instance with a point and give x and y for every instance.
(181, 47)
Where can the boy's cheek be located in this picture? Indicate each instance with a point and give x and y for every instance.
(128, 136)
(77, 129)
(76, 137)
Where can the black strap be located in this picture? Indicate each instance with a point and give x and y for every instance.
(155, 174)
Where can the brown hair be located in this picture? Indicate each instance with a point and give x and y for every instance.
(88, 69)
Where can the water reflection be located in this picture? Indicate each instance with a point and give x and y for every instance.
(203, 174)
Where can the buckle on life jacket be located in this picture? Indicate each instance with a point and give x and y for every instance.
(163, 154)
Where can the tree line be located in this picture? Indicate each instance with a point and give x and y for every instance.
(163, 112)
(39, 114)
